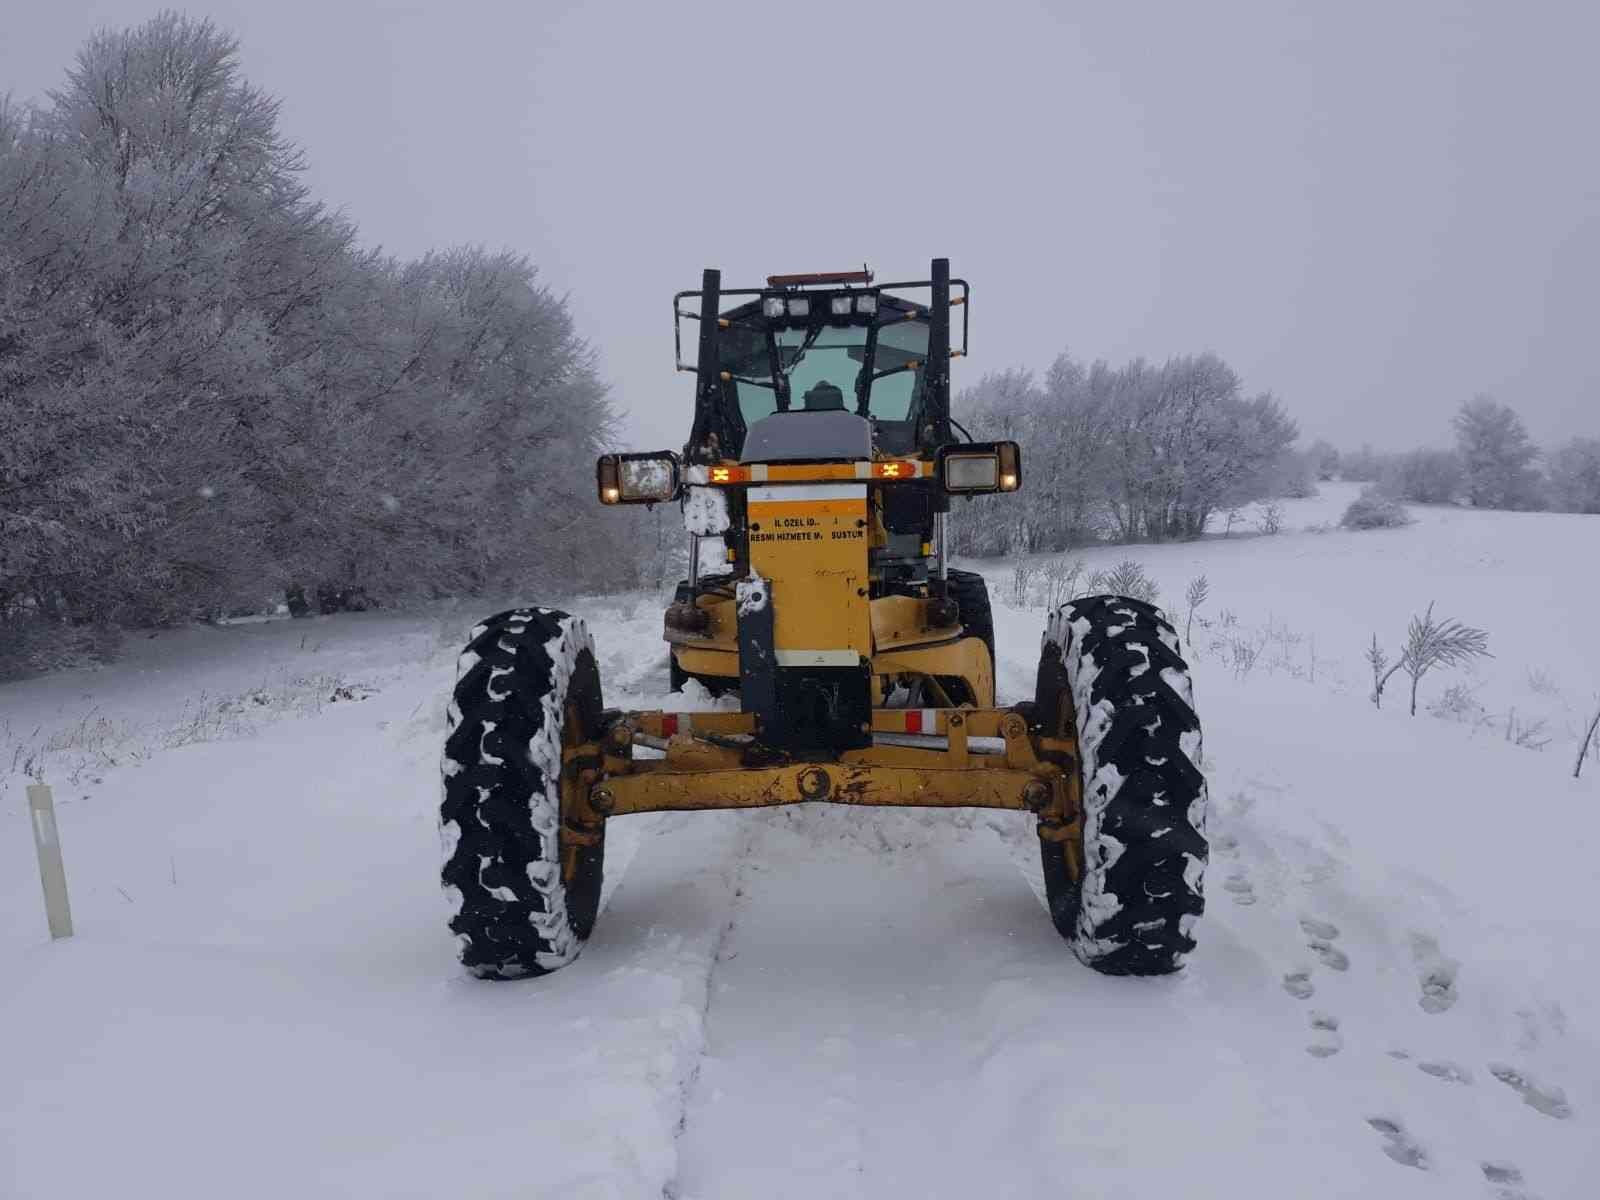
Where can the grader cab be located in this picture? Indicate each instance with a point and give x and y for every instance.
(816, 485)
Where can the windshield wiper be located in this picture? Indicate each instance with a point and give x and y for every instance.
(811, 340)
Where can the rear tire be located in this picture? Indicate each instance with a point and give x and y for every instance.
(1110, 669)
(526, 686)
(970, 591)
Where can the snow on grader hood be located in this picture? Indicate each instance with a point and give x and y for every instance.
(819, 474)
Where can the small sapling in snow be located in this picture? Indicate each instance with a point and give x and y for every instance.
(1591, 736)
(1128, 579)
(1194, 596)
(1021, 583)
(1530, 735)
(1061, 582)
(1439, 643)
(1430, 642)
(1381, 670)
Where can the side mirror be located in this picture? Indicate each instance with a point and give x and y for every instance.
(637, 478)
(974, 468)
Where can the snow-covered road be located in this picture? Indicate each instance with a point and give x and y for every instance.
(1396, 991)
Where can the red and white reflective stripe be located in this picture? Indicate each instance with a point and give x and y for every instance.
(672, 723)
(922, 720)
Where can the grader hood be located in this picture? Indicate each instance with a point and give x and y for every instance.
(805, 634)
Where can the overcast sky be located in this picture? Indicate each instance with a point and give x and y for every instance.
(1373, 210)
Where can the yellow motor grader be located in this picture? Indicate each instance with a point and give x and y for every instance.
(816, 487)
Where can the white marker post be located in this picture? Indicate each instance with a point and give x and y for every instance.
(47, 841)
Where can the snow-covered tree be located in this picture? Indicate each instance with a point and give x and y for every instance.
(1575, 476)
(209, 390)
(1133, 453)
(1324, 459)
(1424, 477)
(1497, 456)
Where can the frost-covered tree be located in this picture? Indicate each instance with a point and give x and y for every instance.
(1324, 459)
(1364, 465)
(1575, 476)
(209, 390)
(1187, 444)
(1132, 453)
(1424, 477)
(1497, 456)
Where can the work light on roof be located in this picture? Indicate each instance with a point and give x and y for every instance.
(799, 306)
(772, 306)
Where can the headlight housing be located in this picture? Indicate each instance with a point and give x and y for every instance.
(637, 478)
(977, 468)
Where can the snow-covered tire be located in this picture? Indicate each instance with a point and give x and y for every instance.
(1110, 669)
(526, 685)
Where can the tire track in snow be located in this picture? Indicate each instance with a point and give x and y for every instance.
(748, 844)
(851, 1009)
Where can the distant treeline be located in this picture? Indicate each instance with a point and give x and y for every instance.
(1133, 453)
(1493, 464)
(209, 390)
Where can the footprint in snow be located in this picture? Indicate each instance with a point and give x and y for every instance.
(1438, 989)
(1438, 974)
(1551, 1101)
(1298, 984)
(1329, 1040)
(1504, 1173)
(1319, 937)
(1240, 887)
(1448, 1071)
(1398, 1144)
(1326, 930)
(1331, 956)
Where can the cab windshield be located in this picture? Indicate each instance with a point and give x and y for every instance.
(824, 365)
(874, 370)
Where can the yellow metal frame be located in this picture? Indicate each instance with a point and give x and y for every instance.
(904, 643)
(809, 552)
(705, 764)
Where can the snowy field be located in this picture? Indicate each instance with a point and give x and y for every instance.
(1397, 991)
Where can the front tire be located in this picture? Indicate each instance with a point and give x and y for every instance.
(1111, 672)
(526, 686)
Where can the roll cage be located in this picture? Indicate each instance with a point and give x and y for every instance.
(756, 346)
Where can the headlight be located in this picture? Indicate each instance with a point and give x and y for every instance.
(637, 478)
(971, 472)
(979, 467)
